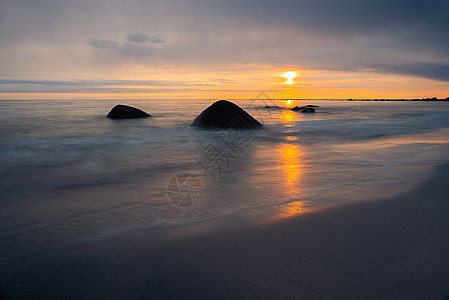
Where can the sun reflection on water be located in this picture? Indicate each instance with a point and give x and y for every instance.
(288, 118)
(291, 157)
(292, 209)
(291, 164)
(291, 138)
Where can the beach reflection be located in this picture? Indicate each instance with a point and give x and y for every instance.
(289, 118)
(291, 157)
(292, 164)
(292, 209)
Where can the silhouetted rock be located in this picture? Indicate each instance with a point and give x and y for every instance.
(307, 110)
(126, 112)
(227, 115)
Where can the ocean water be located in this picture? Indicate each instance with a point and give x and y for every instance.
(68, 174)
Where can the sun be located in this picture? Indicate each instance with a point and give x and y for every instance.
(289, 76)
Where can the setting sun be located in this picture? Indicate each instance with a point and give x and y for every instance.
(290, 75)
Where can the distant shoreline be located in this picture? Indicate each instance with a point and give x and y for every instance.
(423, 100)
(434, 99)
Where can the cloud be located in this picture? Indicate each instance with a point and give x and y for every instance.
(137, 37)
(103, 86)
(136, 45)
(103, 44)
(400, 37)
(158, 39)
(143, 38)
(108, 83)
(427, 70)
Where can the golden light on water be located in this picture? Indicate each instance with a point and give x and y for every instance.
(290, 75)
(292, 168)
(293, 209)
(290, 153)
(291, 164)
(291, 158)
(288, 118)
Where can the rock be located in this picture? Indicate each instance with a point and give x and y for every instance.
(126, 112)
(227, 115)
(305, 109)
(308, 110)
(301, 108)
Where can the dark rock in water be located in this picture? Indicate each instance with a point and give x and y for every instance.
(126, 112)
(308, 110)
(305, 109)
(227, 115)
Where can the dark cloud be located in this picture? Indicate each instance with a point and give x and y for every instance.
(103, 44)
(137, 37)
(427, 70)
(344, 17)
(401, 37)
(143, 38)
(132, 49)
(136, 45)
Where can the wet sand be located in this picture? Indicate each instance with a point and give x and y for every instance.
(394, 248)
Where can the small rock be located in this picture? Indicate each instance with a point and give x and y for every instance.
(126, 112)
(308, 110)
(305, 109)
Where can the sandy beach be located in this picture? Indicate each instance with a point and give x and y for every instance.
(383, 249)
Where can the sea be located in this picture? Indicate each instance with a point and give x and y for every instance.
(70, 175)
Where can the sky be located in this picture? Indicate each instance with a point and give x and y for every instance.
(231, 49)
